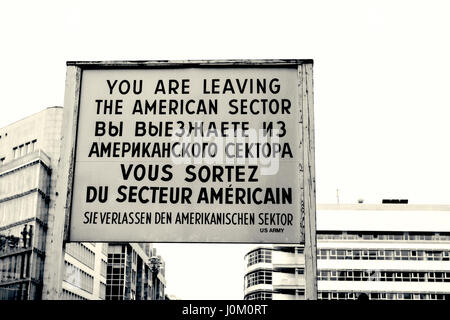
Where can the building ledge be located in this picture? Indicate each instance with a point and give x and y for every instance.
(289, 286)
(38, 156)
(384, 207)
(16, 281)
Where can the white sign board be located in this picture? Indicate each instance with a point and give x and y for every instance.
(188, 154)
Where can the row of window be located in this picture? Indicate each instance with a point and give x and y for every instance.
(373, 236)
(115, 273)
(78, 277)
(290, 249)
(67, 295)
(268, 295)
(258, 277)
(381, 296)
(18, 291)
(260, 295)
(115, 277)
(111, 281)
(114, 292)
(82, 253)
(374, 275)
(382, 254)
(259, 256)
(116, 258)
(15, 267)
(133, 277)
(23, 149)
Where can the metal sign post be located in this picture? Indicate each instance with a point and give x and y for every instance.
(308, 180)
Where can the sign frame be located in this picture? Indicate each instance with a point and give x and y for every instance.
(65, 178)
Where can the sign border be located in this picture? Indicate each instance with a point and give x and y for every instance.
(64, 184)
(306, 146)
(72, 101)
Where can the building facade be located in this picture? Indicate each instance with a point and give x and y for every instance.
(85, 271)
(26, 181)
(29, 154)
(131, 275)
(379, 252)
(275, 272)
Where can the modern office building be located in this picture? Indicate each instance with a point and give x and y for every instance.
(26, 186)
(275, 272)
(29, 154)
(85, 271)
(135, 272)
(387, 251)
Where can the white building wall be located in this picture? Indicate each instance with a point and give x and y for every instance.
(285, 282)
(38, 137)
(95, 272)
(404, 219)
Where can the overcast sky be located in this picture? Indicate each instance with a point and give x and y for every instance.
(381, 86)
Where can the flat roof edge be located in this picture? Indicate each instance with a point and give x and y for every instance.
(384, 207)
(188, 63)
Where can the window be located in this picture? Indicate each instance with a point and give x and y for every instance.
(67, 295)
(374, 296)
(103, 268)
(358, 254)
(102, 293)
(260, 295)
(78, 277)
(332, 255)
(349, 255)
(299, 250)
(105, 248)
(116, 258)
(405, 254)
(405, 236)
(373, 275)
(322, 254)
(259, 256)
(24, 149)
(323, 295)
(447, 277)
(115, 276)
(337, 295)
(365, 255)
(333, 276)
(259, 277)
(82, 253)
(21, 150)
